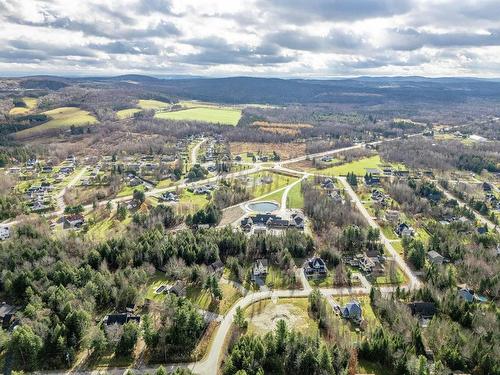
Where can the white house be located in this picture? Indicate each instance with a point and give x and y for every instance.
(4, 233)
(260, 267)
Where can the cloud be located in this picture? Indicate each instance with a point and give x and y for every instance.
(253, 37)
(335, 10)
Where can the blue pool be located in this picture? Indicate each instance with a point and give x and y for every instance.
(263, 207)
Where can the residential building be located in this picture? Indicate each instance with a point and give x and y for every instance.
(424, 310)
(260, 268)
(434, 257)
(4, 233)
(73, 221)
(7, 315)
(315, 267)
(352, 311)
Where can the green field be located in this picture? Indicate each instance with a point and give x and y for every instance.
(257, 188)
(127, 113)
(30, 105)
(358, 167)
(63, 117)
(295, 199)
(152, 104)
(226, 116)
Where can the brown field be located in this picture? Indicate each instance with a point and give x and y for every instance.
(282, 128)
(285, 150)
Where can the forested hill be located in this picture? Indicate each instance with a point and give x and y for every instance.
(362, 90)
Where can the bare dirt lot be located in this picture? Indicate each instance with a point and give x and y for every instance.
(285, 150)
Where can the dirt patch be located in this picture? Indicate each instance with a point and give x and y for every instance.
(285, 150)
(230, 215)
(280, 128)
(265, 319)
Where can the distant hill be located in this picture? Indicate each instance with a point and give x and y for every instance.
(358, 91)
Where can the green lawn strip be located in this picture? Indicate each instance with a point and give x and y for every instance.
(295, 199)
(388, 232)
(398, 246)
(278, 279)
(386, 279)
(323, 282)
(203, 299)
(226, 116)
(366, 367)
(129, 190)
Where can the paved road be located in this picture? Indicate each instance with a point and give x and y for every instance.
(74, 180)
(479, 217)
(194, 151)
(414, 281)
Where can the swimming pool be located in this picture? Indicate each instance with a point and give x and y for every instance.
(263, 207)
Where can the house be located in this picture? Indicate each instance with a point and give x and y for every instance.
(336, 197)
(487, 186)
(73, 221)
(134, 182)
(327, 159)
(392, 215)
(179, 289)
(47, 169)
(4, 233)
(216, 267)
(328, 184)
(434, 257)
(315, 267)
(237, 158)
(120, 319)
(7, 315)
(170, 197)
(260, 268)
(424, 310)
(371, 180)
(352, 311)
(482, 230)
(377, 195)
(297, 220)
(466, 294)
(404, 230)
(66, 170)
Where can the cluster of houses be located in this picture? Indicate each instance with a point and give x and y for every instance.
(333, 192)
(202, 189)
(260, 223)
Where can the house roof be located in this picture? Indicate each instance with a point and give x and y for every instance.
(423, 309)
(261, 262)
(74, 217)
(121, 318)
(352, 310)
(434, 254)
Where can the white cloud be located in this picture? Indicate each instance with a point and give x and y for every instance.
(252, 37)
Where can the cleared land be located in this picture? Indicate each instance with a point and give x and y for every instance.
(152, 104)
(63, 117)
(31, 104)
(359, 167)
(284, 150)
(127, 113)
(226, 116)
(264, 315)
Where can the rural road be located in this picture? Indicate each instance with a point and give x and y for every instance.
(414, 281)
(194, 151)
(479, 217)
(73, 182)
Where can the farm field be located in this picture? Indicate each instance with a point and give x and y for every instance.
(284, 150)
(226, 116)
(127, 113)
(152, 104)
(264, 315)
(31, 104)
(62, 117)
(358, 167)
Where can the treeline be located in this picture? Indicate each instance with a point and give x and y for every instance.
(424, 153)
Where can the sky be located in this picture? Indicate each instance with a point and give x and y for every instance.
(265, 38)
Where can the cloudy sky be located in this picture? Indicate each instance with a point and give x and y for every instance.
(279, 38)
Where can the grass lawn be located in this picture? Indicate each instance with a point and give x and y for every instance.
(366, 367)
(386, 279)
(62, 117)
(257, 188)
(322, 282)
(30, 105)
(202, 298)
(127, 113)
(274, 196)
(129, 190)
(190, 202)
(295, 199)
(357, 166)
(226, 116)
(263, 316)
(398, 246)
(368, 313)
(158, 279)
(152, 104)
(388, 232)
(277, 279)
